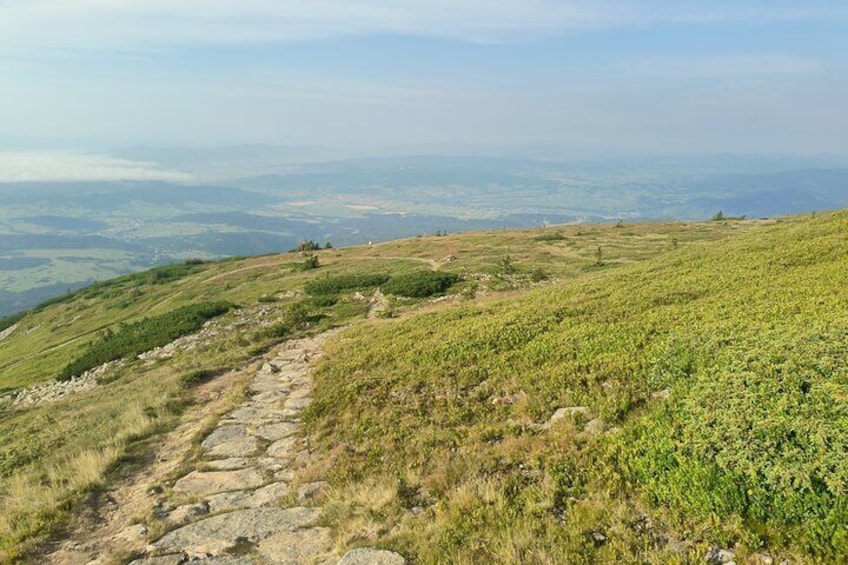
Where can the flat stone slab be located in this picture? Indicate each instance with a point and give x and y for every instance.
(164, 560)
(298, 403)
(274, 432)
(299, 546)
(179, 559)
(239, 447)
(269, 384)
(230, 464)
(269, 494)
(202, 483)
(229, 501)
(282, 448)
(254, 414)
(365, 556)
(254, 525)
(223, 434)
(241, 499)
(271, 396)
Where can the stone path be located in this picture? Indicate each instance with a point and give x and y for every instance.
(240, 506)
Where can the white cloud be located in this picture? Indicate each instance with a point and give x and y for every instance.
(152, 24)
(61, 166)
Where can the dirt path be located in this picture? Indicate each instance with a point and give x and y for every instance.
(242, 503)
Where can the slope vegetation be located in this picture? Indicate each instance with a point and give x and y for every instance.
(642, 414)
(54, 455)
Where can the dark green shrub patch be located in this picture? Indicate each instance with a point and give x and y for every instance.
(131, 339)
(420, 284)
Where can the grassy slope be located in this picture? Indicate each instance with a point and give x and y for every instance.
(747, 336)
(52, 454)
(44, 342)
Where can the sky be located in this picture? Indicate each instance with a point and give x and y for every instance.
(604, 76)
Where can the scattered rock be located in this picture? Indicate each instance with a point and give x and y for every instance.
(594, 427)
(664, 394)
(509, 399)
(718, 556)
(310, 491)
(366, 556)
(761, 559)
(269, 368)
(570, 412)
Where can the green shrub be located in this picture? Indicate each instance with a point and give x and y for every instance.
(296, 316)
(538, 275)
(9, 321)
(324, 301)
(556, 236)
(144, 335)
(420, 284)
(310, 263)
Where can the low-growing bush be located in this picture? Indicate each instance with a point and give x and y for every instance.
(538, 275)
(131, 339)
(310, 263)
(296, 316)
(420, 284)
(9, 321)
(556, 236)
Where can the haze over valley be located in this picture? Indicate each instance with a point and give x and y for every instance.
(59, 234)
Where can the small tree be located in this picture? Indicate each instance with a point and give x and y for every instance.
(599, 257)
(310, 263)
(308, 245)
(719, 216)
(328, 245)
(507, 267)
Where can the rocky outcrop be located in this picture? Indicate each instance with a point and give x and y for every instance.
(56, 391)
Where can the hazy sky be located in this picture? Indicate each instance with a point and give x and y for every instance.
(647, 76)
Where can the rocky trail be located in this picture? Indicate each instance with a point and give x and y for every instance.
(243, 503)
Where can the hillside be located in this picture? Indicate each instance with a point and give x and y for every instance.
(585, 394)
(634, 415)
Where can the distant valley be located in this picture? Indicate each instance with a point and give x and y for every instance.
(59, 236)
